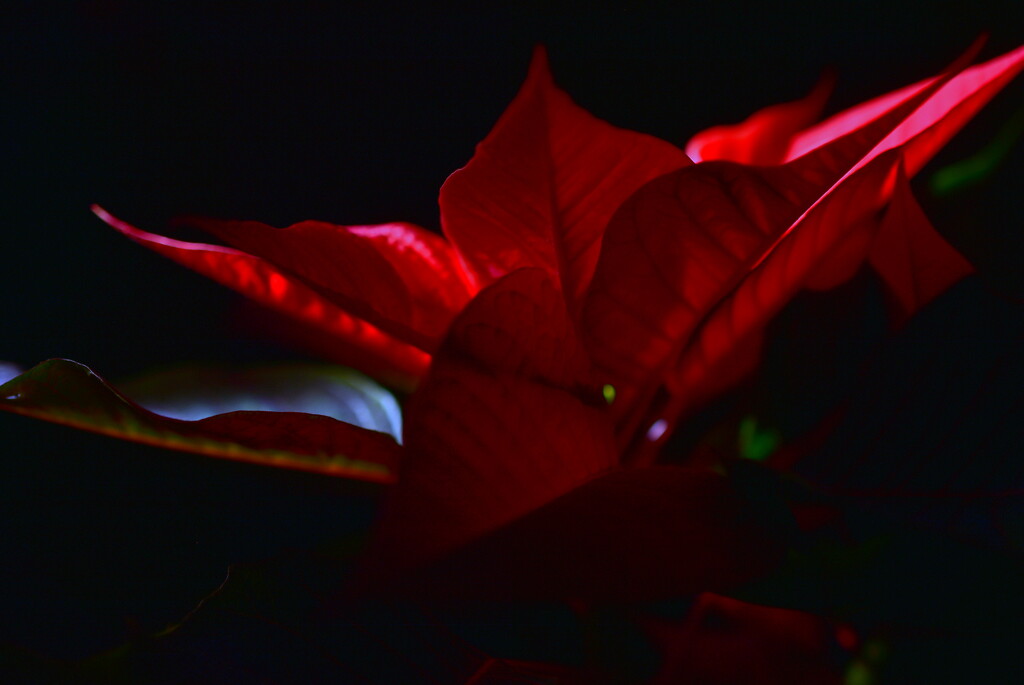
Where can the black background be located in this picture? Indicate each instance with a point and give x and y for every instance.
(349, 113)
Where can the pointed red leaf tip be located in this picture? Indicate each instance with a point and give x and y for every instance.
(765, 136)
(277, 288)
(782, 133)
(542, 186)
(68, 393)
(398, 277)
(923, 133)
(916, 263)
(502, 424)
(693, 243)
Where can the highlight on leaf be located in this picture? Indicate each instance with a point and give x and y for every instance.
(68, 393)
(542, 186)
(191, 392)
(8, 371)
(718, 248)
(764, 137)
(276, 288)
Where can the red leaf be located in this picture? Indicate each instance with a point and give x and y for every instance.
(398, 277)
(724, 641)
(916, 263)
(912, 258)
(690, 245)
(764, 137)
(507, 486)
(501, 425)
(64, 392)
(945, 113)
(630, 535)
(542, 186)
(841, 263)
(784, 132)
(769, 285)
(270, 286)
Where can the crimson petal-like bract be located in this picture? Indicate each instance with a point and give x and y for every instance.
(542, 186)
(687, 245)
(398, 277)
(916, 263)
(510, 484)
(945, 113)
(383, 354)
(765, 136)
(499, 425)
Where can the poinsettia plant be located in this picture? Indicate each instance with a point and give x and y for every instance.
(593, 290)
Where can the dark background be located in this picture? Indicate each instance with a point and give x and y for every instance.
(349, 113)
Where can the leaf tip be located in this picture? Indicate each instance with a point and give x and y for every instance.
(111, 220)
(540, 66)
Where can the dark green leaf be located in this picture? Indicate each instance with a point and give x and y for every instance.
(193, 392)
(69, 393)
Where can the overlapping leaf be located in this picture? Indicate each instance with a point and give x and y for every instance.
(499, 426)
(68, 393)
(509, 483)
(715, 249)
(399, 277)
(946, 112)
(268, 284)
(787, 131)
(764, 137)
(913, 259)
(542, 186)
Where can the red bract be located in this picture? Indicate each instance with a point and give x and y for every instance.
(509, 461)
(578, 256)
(696, 262)
(539, 192)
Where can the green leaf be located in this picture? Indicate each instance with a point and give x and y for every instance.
(191, 392)
(982, 164)
(69, 393)
(757, 443)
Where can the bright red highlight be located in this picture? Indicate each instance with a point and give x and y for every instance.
(576, 257)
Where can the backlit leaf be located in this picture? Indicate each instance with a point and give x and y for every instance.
(509, 484)
(399, 277)
(503, 423)
(542, 186)
(764, 137)
(714, 250)
(273, 287)
(945, 113)
(911, 257)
